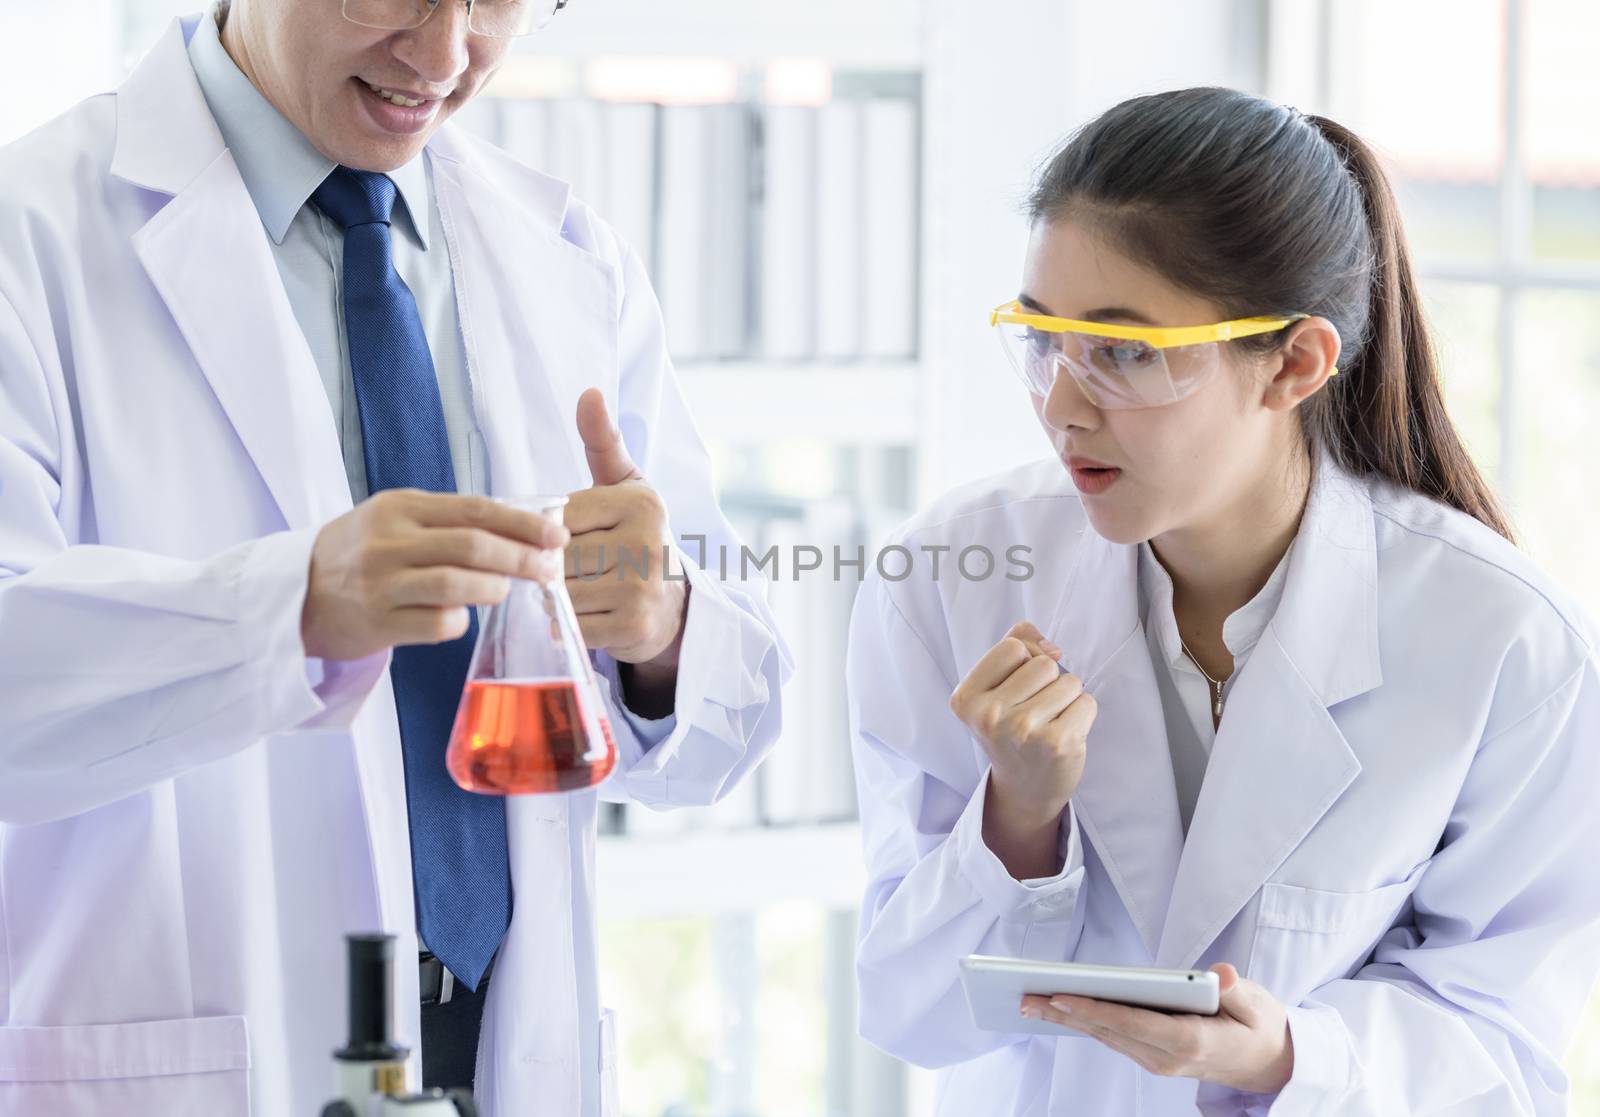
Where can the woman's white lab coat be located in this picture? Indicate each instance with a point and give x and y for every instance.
(1396, 835)
(192, 813)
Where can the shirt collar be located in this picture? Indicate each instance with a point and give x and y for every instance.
(1240, 632)
(280, 166)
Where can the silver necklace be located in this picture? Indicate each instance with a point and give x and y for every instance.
(1216, 686)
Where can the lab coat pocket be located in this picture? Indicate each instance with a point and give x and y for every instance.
(610, 1101)
(1307, 937)
(159, 1068)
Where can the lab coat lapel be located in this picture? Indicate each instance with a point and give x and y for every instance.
(538, 317)
(207, 254)
(1277, 765)
(1279, 760)
(209, 258)
(1127, 801)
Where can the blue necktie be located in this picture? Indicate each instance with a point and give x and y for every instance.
(459, 860)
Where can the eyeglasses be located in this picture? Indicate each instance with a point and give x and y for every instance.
(1120, 367)
(499, 19)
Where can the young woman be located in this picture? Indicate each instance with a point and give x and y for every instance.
(1280, 697)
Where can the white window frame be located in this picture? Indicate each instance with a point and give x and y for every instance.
(1304, 49)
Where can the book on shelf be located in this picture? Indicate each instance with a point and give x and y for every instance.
(684, 235)
(631, 149)
(788, 279)
(840, 229)
(889, 227)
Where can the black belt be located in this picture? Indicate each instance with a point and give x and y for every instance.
(438, 985)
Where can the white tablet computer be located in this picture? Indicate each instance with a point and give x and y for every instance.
(995, 988)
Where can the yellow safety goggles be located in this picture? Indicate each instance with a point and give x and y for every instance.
(1119, 367)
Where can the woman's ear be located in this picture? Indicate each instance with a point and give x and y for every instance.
(1307, 358)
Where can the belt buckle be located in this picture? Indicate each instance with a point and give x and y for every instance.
(435, 982)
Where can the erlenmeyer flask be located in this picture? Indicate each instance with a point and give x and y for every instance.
(531, 720)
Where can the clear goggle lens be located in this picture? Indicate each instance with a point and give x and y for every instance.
(500, 19)
(1114, 373)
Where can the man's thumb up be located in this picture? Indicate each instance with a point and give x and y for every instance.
(609, 463)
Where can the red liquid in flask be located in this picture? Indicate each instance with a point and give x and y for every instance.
(523, 736)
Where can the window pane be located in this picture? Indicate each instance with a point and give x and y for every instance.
(1465, 322)
(1566, 221)
(1440, 61)
(737, 1014)
(1562, 140)
(1558, 453)
(1448, 219)
(1583, 1061)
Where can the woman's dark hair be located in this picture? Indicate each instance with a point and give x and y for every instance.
(1266, 211)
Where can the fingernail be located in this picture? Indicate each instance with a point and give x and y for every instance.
(1030, 1012)
(1061, 1006)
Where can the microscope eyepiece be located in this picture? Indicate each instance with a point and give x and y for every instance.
(371, 976)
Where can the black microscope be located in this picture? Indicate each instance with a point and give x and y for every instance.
(370, 1070)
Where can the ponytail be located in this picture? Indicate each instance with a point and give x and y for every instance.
(1270, 212)
(1385, 412)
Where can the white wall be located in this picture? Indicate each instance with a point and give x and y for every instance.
(54, 53)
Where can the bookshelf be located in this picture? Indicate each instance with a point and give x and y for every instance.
(882, 34)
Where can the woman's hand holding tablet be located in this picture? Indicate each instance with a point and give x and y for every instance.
(1211, 1024)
